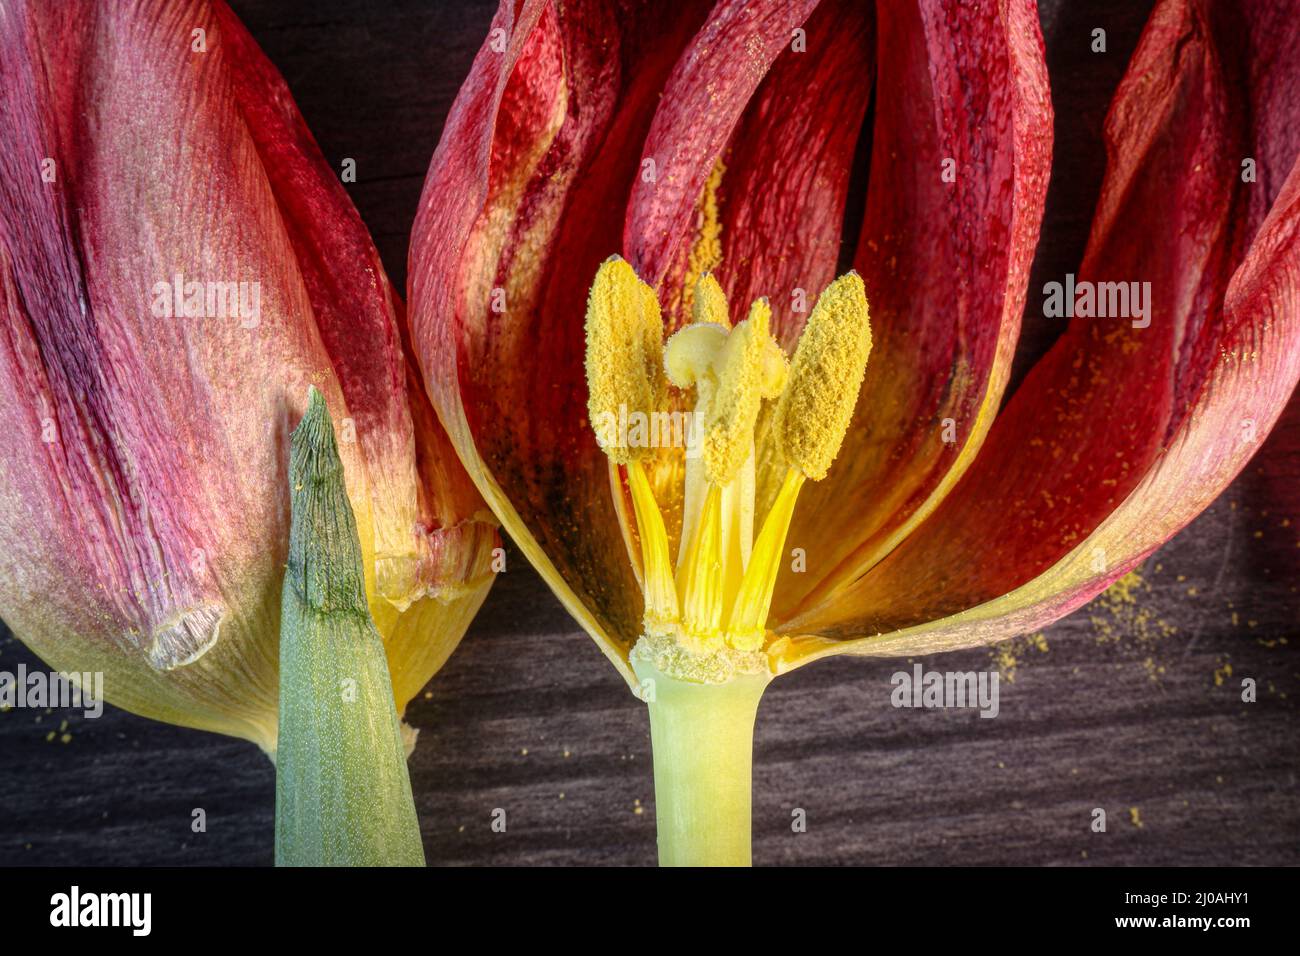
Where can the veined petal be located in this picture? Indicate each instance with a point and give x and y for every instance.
(144, 518)
(1122, 435)
(961, 152)
(360, 321)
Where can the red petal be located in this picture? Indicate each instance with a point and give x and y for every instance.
(525, 195)
(962, 89)
(712, 84)
(1120, 436)
(159, 499)
(788, 165)
(359, 319)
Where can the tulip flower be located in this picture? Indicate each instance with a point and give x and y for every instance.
(178, 267)
(710, 147)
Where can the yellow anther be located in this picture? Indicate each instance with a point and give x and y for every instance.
(710, 304)
(749, 368)
(830, 361)
(624, 358)
(775, 369)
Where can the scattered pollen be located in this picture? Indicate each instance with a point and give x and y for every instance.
(1006, 655)
(706, 250)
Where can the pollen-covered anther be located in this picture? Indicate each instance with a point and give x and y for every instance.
(750, 368)
(710, 303)
(814, 411)
(625, 376)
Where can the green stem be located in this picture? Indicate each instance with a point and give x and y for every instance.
(703, 740)
(342, 792)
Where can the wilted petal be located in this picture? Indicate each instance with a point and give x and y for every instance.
(433, 535)
(1122, 435)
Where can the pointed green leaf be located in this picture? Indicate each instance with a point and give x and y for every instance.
(342, 792)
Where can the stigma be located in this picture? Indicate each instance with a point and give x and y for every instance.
(710, 600)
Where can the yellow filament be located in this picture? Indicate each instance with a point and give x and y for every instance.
(660, 589)
(624, 358)
(699, 579)
(826, 374)
(737, 529)
(747, 622)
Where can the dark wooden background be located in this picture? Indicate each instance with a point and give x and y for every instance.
(1131, 704)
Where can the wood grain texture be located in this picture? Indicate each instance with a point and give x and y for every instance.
(1131, 707)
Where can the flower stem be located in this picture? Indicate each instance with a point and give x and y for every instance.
(702, 735)
(342, 792)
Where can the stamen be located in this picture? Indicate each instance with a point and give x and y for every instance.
(731, 373)
(747, 623)
(710, 303)
(699, 578)
(750, 368)
(715, 605)
(624, 357)
(829, 364)
(660, 589)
